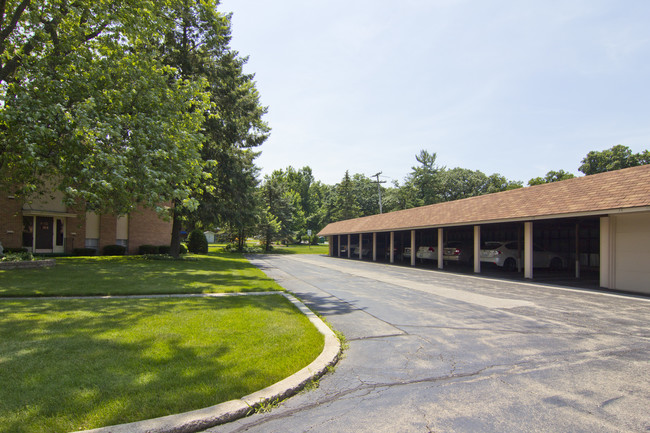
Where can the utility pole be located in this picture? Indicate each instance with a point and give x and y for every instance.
(379, 182)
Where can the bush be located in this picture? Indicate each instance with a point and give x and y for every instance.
(315, 240)
(114, 250)
(197, 242)
(148, 249)
(234, 248)
(84, 251)
(17, 257)
(165, 249)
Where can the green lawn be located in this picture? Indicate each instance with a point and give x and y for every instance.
(67, 365)
(71, 364)
(75, 276)
(282, 249)
(300, 249)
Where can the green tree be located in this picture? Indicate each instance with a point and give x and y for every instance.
(551, 176)
(321, 198)
(345, 203)
(426, 178)
(281, 204)
(616, 158)
(88, 108)
(365, 191)
(197, 46)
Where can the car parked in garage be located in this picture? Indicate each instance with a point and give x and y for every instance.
(426, 253)
(365, 250)
(506, 256)
(457, 251)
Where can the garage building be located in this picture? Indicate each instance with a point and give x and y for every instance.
(598, 224)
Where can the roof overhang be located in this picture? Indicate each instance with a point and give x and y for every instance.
(45, 213)
(598, 213)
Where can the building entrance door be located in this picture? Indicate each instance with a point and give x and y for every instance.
(44, 232)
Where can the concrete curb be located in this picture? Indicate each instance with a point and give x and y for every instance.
(202, 419)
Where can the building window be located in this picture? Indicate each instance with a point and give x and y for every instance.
(92, 243)
(123, 242)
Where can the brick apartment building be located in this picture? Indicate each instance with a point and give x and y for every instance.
(46, 225)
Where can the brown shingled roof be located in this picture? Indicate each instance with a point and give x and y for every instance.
(599, 193)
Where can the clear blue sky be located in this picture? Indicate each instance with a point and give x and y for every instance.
(512, 87)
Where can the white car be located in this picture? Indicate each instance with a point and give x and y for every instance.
(426, 253)
(505, 255)
(354, 249)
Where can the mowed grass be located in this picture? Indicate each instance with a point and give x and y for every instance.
(72, 364)
(283, 249)
(87, 276)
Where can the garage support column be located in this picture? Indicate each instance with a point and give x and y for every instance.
(578, 250)
(374, 247)
(360, 246)
(440, 260)
(412, 247)
(477, 249)
(392, 247)
(349, 245)
(606, 253)
(528, 249)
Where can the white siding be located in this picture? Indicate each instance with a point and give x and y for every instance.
(632, 252)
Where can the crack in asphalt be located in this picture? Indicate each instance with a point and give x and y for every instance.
(367, 388)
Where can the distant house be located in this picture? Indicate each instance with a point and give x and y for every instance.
(46, 225)
(209, 235)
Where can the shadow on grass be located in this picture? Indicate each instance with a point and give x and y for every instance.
(68, 365)
(134, 275)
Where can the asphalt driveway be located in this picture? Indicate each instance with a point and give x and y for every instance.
(438, 352)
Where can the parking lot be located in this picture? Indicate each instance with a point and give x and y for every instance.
(442, 351)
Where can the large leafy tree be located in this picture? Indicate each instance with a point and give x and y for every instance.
(616, 158)
(88, 108)
(197, 46)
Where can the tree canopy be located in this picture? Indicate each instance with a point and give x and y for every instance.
(616, 158)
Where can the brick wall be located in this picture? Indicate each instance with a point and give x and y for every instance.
(147, 228)
(107, 231)
(11, 220)
(75, 230)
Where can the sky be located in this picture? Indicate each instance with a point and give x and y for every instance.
(514, 87)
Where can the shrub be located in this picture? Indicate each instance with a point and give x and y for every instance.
(197, 242)
(315, 240)
(114, 250)
(165, 249)
(148, 249)
(17, 257)
(234, 248)
(84, 251)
